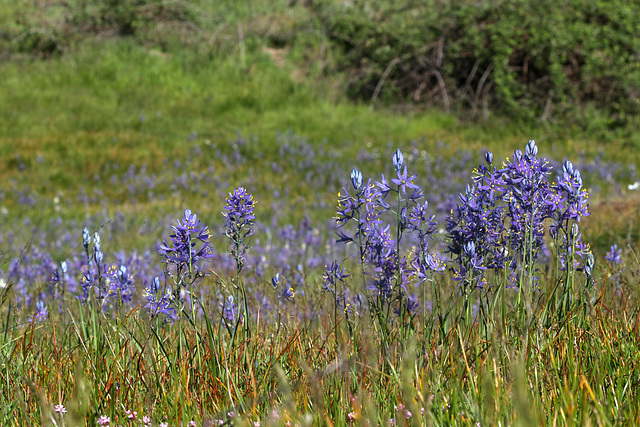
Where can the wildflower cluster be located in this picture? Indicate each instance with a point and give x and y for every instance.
(94, 266)
(159, 301)
(388, 274)
(183, 253)
(500, 221)
(111, 284)
(569, 205)
(118, 283)
(333, 276)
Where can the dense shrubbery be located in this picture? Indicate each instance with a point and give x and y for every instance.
(125, 17)
(53, 28)
(534, 60)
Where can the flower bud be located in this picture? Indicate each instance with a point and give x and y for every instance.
(488, 157)
(398, 160)
(356, 179)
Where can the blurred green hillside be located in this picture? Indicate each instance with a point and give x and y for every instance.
(92, 86)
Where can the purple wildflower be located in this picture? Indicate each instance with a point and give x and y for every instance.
(42, 312)
(614, 256)
(159, 305)
(403, 181)
(332, 276)
(239, 212)
(383, 186)
(287, 292)
(184, 252)
(119, 284)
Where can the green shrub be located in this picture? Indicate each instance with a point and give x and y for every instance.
(50, 29)
(529, 59)
(127, 17)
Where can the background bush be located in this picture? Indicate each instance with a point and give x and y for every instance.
(527, 59)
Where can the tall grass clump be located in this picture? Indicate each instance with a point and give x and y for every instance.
(499, 316)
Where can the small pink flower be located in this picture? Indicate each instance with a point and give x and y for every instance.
(164, 424)
(131, 414)
(60, 409)
(352, 416)
(192, 424)
(256, 424)
(407, 414)
(422, 411)
(220, 421)
(392, 422)
(146, 420)
(104, 420)
(231, 414)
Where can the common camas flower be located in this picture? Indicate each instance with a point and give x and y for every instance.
(239, 213)
(379, 241)
(182, 251)
(181, 257)
(501, 218)
(162, 304)
(614, 256)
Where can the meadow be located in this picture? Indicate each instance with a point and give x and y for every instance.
(201, 226)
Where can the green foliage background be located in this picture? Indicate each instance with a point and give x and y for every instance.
(539, 59)
(532, 60)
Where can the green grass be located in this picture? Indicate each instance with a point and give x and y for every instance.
(576, 370)
(68, 118)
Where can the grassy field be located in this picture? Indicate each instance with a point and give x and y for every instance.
(120, 133)
(71, 123)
